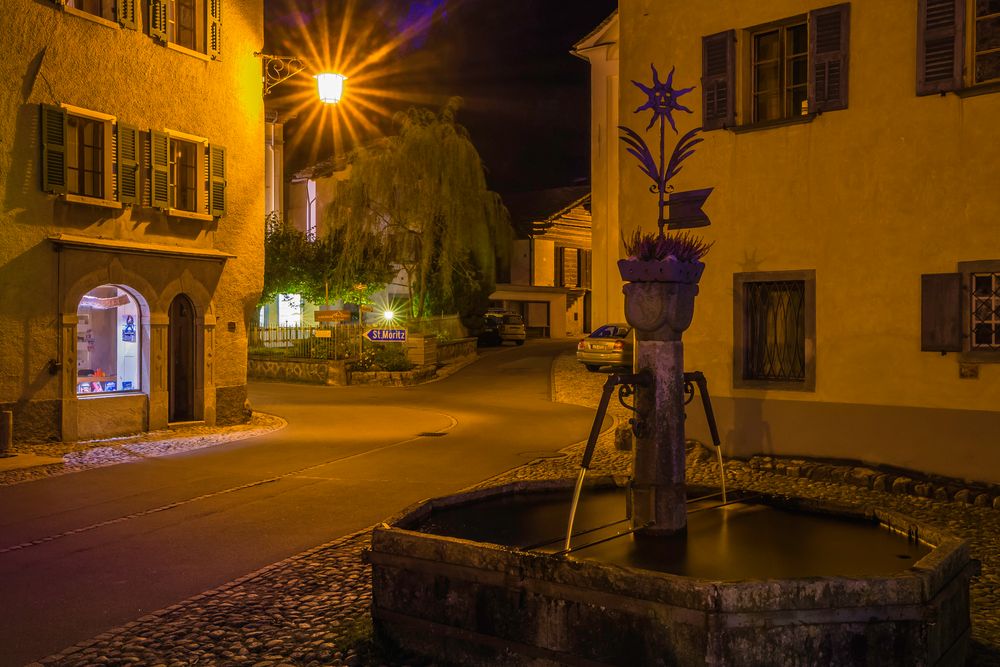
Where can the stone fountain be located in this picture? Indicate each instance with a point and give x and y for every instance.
(658, 573)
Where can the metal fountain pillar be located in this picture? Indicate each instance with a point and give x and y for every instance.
(660, 312)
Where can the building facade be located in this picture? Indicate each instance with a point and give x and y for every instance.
(131, 240)
(850, 307)
(550, 271)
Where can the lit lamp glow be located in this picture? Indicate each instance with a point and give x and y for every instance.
(388, 316)
(331, 87)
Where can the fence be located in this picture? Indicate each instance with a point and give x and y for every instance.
(305, 342)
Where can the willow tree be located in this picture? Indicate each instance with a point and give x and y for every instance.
(423, 191)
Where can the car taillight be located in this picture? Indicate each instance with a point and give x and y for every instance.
(619, 345)
(580, 345)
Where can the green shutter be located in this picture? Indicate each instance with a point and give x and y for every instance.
(158, 19)
(128, 164)
(159, 169)
(53, 142)
(214, 22)
(216, 180)
(125, 10)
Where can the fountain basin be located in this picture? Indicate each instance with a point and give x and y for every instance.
(479, 602)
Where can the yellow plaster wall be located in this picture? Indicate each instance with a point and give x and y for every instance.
(870, 197)
(52, 56)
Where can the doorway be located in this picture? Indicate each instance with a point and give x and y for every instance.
(181, 360)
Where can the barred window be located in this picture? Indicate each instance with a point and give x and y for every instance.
(775, 330)
(985, 290)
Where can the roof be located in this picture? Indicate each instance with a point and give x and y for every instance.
(529, 208)
(593, 38)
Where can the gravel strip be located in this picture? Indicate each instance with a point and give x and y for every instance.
(313, 608)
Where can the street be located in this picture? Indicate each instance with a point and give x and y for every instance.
(85, 552)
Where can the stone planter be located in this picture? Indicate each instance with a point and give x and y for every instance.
(661, 271)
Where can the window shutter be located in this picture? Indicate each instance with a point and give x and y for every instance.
(128, 164)
(941, 312)
(829, 50)
(214, 22)
(125, 10)
(158, 19)
(216, 180)
(53, 149)
(718, 79)
(940, 40)
(159, 169)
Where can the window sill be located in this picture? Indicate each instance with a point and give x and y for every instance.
(190, 215)
(979, 357)
(87, 16)
(91, 201)
(774, 385)
(767, 125)
(110, 394)
(183, 49)
(980, 89)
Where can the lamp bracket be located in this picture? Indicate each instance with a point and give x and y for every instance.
(279, 68)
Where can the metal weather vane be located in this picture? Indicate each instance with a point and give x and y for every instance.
(685, 207)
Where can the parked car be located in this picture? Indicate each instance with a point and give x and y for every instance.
(502, 326)
(609, 345)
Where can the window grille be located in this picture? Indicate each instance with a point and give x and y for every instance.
(985, 334)
(775, 332)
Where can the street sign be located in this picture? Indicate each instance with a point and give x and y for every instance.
(323, 333)
(332, 315)
(386, 335)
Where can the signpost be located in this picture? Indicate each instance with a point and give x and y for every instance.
(386, 335)
(332, 315)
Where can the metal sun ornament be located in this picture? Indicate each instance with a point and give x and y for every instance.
(662, 101)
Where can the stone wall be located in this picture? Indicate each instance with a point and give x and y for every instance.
(456, 349)
(313, 371)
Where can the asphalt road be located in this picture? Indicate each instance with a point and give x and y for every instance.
(86, 552)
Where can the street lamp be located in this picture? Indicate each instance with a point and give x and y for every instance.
(330, 86)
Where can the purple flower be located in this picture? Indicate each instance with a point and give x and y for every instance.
(662, 98)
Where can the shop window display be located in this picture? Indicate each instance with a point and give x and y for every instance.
(107, 341)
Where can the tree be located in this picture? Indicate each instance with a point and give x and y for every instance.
(418, 200)
(295, 265)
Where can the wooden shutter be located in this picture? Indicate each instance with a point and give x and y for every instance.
(829, 50)
(941, 312)
(940, 42)
(53, 142)
(158, 19)
(214, 22)
(216, 180)
(159, 169)
(718, 80)
(128, 164)
(126, 15)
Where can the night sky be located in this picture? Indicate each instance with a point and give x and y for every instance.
(526, 98)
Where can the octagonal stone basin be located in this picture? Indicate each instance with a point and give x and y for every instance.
(471, 579)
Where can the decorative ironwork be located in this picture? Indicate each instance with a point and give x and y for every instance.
(685, 207)
(985, 333)
(279, 68)
(774, 316)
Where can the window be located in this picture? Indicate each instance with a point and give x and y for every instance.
(195, 25)
(774, 330)
(102, 8)
(187, 175)
(985, 311)
(184, 175)
(985, 41)
(85, 156)
(77, 159)
(793, 67)
(108, 341)
(960, 312)
(958, 44)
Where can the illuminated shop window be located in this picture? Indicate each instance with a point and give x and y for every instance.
(107, 341)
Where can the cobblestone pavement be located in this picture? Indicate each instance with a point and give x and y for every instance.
(312, 609)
